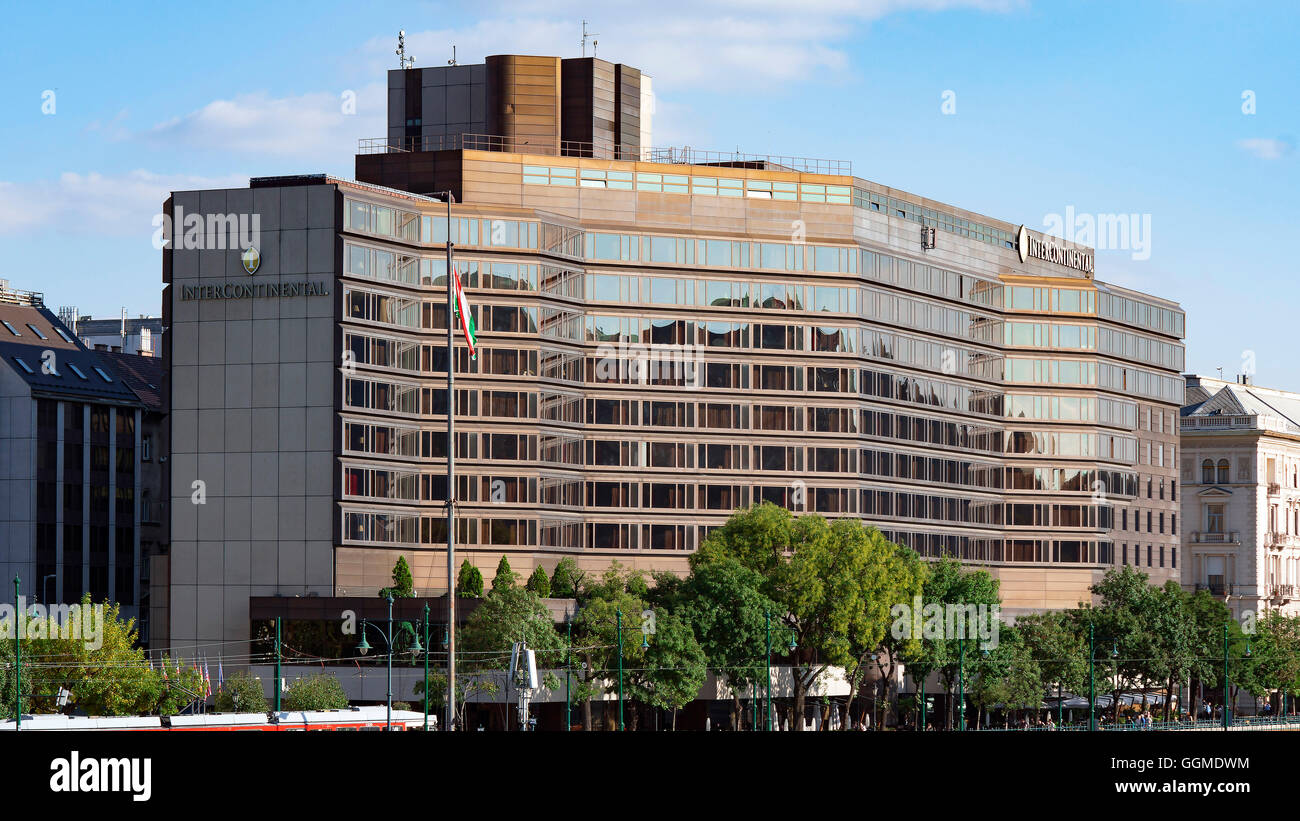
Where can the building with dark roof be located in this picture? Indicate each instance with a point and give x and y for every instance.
(71, 440)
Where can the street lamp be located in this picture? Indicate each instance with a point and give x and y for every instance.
(364, 647)
(1227, 681)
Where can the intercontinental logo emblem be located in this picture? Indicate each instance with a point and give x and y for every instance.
(1047, 249)
(252, 260)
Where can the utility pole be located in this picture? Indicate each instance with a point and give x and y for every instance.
(278, 681)
(451, 478)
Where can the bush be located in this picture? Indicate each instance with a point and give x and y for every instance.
(505, 577)
(539, 583)
(469, 583)
(403, 582)
(241, 693)
(318, 692)
(564, 584)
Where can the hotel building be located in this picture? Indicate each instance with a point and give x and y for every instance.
(664, 336)
(1241, 508)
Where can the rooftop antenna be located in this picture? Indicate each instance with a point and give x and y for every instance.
(403, 61)
(588, 35)
(1220, 371)
(452, 61)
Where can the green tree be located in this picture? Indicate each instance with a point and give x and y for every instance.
(241, 693)
(673, 669)
(565, 579)
(601, 600)
(823, 576)
(319, 692)
(724, 603)
(539, 583)
(949, 588)
(403, 582)
(1059, 649)
(469, 582)
(902, 581)
(1005, 675)
(505, 577)
(508, 614)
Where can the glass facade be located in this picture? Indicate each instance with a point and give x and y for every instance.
(632, 389)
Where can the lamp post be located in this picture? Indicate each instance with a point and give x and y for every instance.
(568, 667)
(426, 666)
(18, 658)
(1092, 678)
(1227, 682)
(768, 673)
(364, 648)
(619, 615)
(794, 646)
(961, 683)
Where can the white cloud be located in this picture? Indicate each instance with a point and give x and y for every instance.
(1266, 149)
(311, 127)
(719, 43)
(96, 204)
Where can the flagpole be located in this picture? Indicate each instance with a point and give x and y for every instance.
(451, 479)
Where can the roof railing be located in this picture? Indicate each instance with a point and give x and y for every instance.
(602, 151)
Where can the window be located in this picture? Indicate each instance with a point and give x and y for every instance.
(11, 328)
(1223, 472)
(23, 364)
(1207, 472)
(103, 375)
(64, 334)
(1214, 519)
(77, 371)
(37, 331)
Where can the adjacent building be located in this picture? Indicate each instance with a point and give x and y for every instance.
(74, 456)
(664, 336)
(1241, 499)
(140, 335)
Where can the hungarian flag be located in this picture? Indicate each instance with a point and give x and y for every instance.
(465, 314)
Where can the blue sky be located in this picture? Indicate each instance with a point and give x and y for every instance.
(1105, 108)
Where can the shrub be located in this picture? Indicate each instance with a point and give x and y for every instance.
(241, 693)
(469, 583)
(318, 692)
(539, 583)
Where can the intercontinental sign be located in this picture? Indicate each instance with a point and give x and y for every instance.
(255, 290)
(1049, 249)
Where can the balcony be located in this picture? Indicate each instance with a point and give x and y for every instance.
(1282, 593)
(1219, 589)
(1277, 541)
(1204, 537)
(1274, 489)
